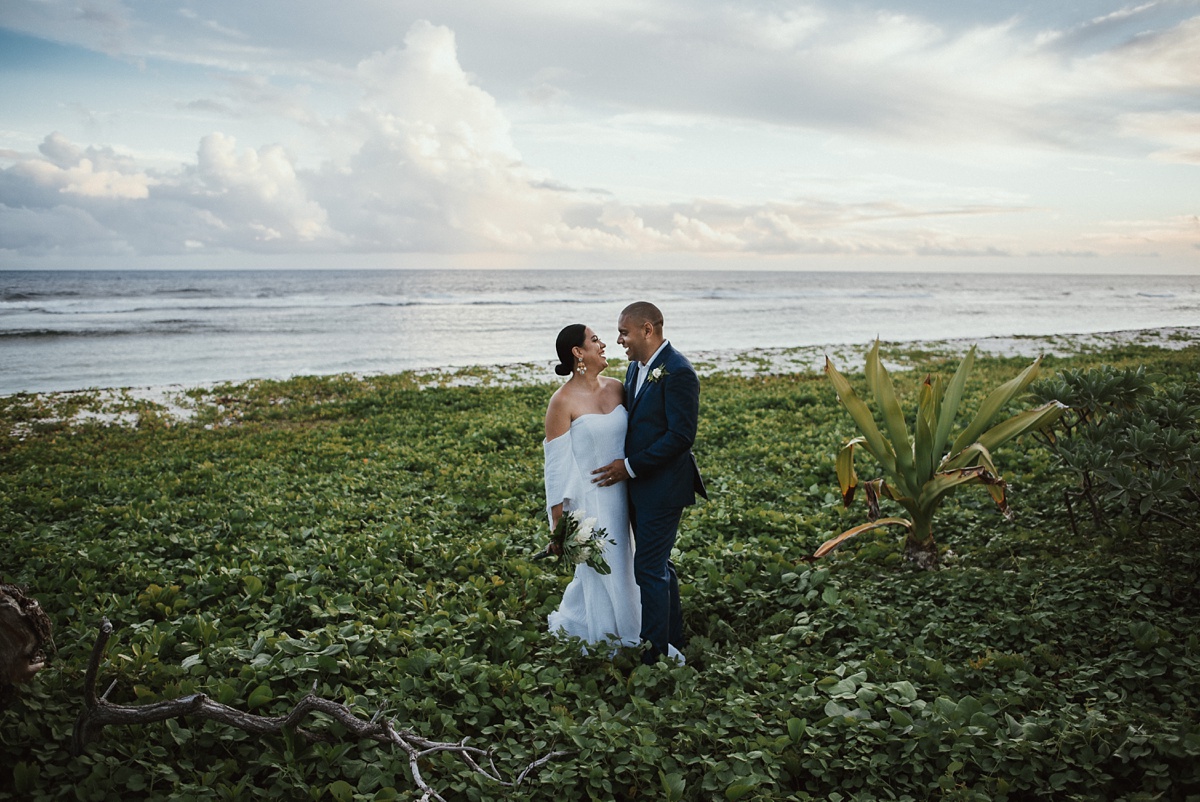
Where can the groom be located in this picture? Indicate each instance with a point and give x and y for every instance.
(662, 395)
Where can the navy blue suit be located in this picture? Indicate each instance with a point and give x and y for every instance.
(658, 445)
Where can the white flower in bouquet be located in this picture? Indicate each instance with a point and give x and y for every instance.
(577, 540)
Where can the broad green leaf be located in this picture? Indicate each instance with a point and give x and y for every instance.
(992, 405)
(943, 483)
(950, 402)
(893, 419)
(372, 778)
(907, 502)
(833, 543)
(974, 455)
(845, 687)
(25, 776)
(847, 478)
(923, 454)
(875, 441)
(834, 708)
(937, 396)
(904, 690)
(259, 696)
(341, 791)
(1028, 421)
(673, 785)
(739, 790)
(226, 693)
(796, 728)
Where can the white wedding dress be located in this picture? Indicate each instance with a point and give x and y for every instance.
(597, 608)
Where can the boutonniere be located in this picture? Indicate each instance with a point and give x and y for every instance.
(657, 374)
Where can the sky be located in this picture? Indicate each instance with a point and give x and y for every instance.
(964, 135)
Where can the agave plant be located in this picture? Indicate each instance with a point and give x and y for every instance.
(920, 472)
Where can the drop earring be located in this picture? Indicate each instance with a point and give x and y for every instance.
(580, 368)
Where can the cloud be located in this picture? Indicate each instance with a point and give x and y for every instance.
(255, 193)
(1175, 133)
(91, 173)
(430, 166)
(434, 166)
(421, 158)
(895, 76)
(1149, 236)
(56, 230)
(1025, 75)
(101, 25)
(212, 24)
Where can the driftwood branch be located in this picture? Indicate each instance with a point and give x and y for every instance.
(98, 713)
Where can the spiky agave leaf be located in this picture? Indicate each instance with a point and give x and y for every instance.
(893, 419)
(993, 404)
(871, 490)
(1022, 423)
(970, 457)
(847, 477)
(950, 401)
(924, 456)
(833, 543)
(941, 485)
(909, 503)
(874, 440)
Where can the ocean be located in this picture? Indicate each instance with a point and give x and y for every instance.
(70, 330)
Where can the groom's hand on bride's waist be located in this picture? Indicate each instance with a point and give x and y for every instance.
(610, 474)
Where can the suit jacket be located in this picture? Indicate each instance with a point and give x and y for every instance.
(662, 428)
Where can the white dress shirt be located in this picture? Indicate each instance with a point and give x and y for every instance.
(644, 369)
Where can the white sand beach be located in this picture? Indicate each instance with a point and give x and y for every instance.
(178, 403)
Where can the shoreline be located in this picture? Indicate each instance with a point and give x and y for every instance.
(181, 403)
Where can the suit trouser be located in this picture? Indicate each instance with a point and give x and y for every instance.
(654, 532)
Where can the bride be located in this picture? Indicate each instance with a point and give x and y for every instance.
(585, 429)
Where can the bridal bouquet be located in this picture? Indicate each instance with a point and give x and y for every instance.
(577, 540)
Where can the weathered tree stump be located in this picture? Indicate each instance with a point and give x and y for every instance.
(25, 640)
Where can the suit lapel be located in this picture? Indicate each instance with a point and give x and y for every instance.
(633, 371)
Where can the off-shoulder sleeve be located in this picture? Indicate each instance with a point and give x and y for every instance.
(563, 480)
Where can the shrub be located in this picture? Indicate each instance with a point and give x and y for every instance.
(1130, 444)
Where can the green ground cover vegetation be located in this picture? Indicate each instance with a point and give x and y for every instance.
(373, 537)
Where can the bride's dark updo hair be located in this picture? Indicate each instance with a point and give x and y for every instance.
(568, 338)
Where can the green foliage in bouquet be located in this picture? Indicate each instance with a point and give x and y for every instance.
(576, 540)
(920, 471)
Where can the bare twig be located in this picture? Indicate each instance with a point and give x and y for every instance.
(1070, 512)
(98, 712)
